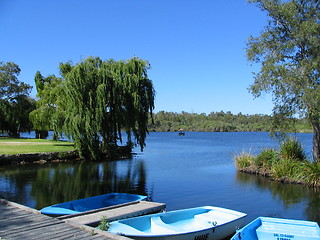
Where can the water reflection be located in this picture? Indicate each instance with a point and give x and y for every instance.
(42, 185)
(289, 194)
(194, 170)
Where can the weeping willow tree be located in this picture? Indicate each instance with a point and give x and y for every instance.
(103, 98)
(49, 114)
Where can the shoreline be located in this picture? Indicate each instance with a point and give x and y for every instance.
(23, 158)
(46, 157)
(266, 174)
(32, 150)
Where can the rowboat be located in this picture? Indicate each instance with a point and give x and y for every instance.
(264, 228)
(91, 203)
(199, 223)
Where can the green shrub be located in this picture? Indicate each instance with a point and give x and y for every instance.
(104, 224)
(312, 173)
(266, 158)
(291, 148)
(244, 160)
(287, 169)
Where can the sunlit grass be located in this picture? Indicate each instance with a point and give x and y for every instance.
(312, 176)
(288, 164)
(288, 169)
(244, 160)
(23, 145)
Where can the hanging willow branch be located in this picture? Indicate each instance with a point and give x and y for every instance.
(102, 99)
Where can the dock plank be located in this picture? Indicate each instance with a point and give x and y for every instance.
(28, 221)
(61, 231)
(20, 222)
(130, 210)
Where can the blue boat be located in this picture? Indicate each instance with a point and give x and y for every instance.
(188, 224)
(264, 228)
(91, 203)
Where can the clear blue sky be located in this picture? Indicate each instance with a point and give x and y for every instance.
(196, 48)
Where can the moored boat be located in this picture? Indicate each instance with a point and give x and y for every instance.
(194, 223)
(91, 203)
(265, 228)
(181, 132)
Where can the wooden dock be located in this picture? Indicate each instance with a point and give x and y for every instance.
(21, 222)
(114, 213)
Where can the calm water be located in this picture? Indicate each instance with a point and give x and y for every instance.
(182, 171)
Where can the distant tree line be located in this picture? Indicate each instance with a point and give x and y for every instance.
(221, 122)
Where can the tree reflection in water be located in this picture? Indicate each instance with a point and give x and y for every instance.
(289, 194)
(38, 186)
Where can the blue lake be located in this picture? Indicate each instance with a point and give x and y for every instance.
(182, 171)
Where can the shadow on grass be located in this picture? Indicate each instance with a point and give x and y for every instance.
(63, 145)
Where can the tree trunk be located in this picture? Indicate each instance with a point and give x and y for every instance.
(41, 134)
(316, 141)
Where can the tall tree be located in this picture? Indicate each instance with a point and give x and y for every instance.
(15, 103)
(49, 114)
(288, 50)
(102, 99)
(10, 86)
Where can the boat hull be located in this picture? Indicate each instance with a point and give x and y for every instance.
(208, 234)
(91, 203)
(264, 228)
(194, 224)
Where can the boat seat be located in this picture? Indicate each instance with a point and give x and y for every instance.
(158, 226)
(81, 207)
(212, 218)
(270, 230)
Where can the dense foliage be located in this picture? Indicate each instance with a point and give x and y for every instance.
(49, 113)
(94, 101)
(15, 103)
(288, 50)
(218, 122)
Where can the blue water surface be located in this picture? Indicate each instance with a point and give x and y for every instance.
(182, 171)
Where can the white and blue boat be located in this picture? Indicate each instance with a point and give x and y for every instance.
(265, 228)
(194, 223)
(91, 203)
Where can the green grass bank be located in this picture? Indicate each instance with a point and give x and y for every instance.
(27, 145)
(288, 164)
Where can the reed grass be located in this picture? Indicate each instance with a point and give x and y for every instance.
(287, 170)
(312, 173)
(267, 158)
(288, 164)
(291, 148)
(244, 160)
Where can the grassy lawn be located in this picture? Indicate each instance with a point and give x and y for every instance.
(22, 145)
